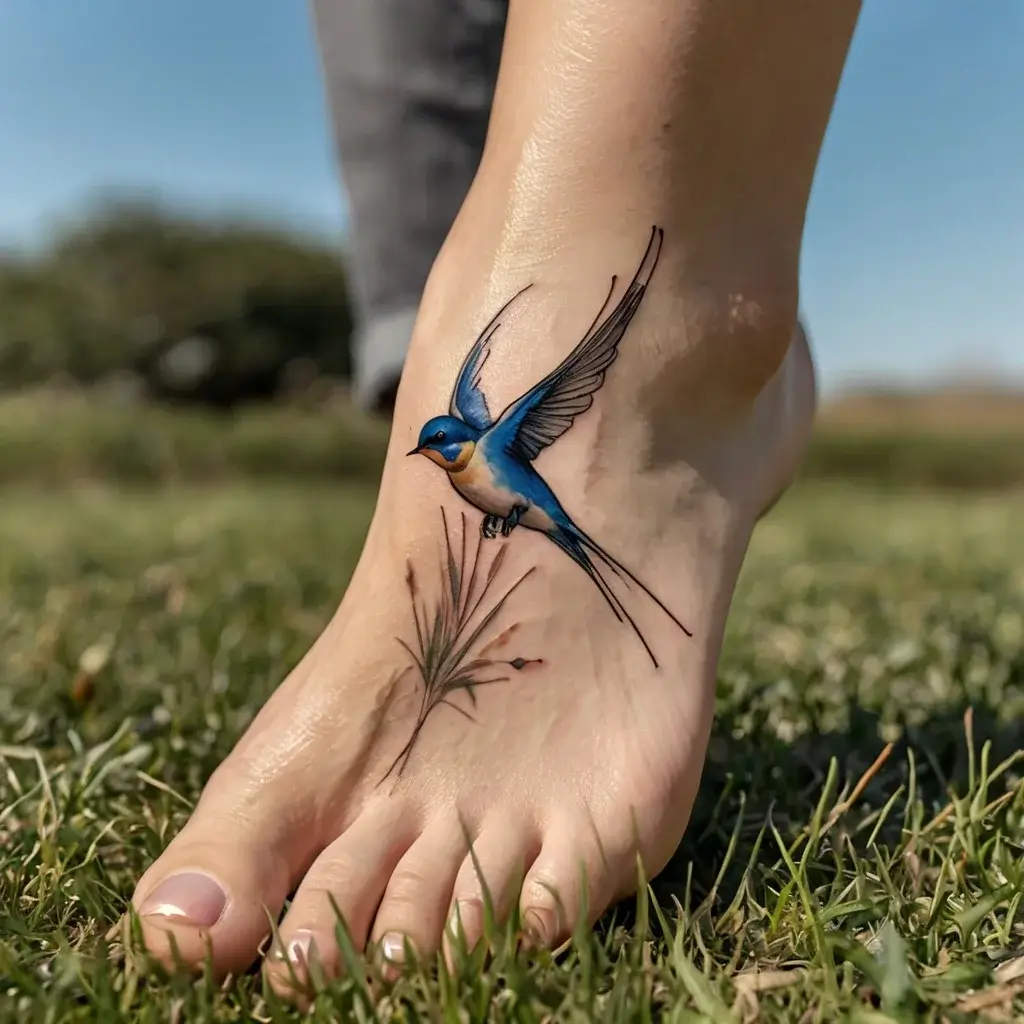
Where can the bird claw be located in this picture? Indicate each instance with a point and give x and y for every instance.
(511, 521)
(491, 524)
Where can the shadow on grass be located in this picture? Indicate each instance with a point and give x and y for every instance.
(753, 782)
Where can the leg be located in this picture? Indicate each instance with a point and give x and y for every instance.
(608, 118)
(410, 85)
(489, 527)
(511, 521)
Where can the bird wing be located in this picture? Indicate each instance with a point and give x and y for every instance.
(469, 402)
(548, 409)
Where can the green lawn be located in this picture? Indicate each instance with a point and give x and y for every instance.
(826, 875)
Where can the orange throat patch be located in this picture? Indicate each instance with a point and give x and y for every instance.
(458, 464)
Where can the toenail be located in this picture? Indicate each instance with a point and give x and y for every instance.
(467, 920)
(393, 947)
(299, 950)
(191, 898)
(537, 929)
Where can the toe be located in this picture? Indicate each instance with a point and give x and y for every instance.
(347, 879)
(415, 906)
(572, 882)
(491, 876)
(215, 891)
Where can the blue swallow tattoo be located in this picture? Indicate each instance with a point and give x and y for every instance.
(489, 461)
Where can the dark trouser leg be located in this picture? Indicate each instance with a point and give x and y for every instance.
(409, 84)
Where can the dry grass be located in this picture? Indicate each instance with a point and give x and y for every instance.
(952, 410)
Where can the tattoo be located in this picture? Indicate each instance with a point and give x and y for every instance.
(454, 651)
(489, 460)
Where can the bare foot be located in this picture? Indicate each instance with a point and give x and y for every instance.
(525, 659)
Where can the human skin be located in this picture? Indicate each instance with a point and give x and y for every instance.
(704, 119)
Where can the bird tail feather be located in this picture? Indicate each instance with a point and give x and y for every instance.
(583, 550)
(621, 571)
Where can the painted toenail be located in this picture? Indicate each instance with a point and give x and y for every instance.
(299, 950)
(393, 947)
(190, 898)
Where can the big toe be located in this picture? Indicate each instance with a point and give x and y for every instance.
(220, 885)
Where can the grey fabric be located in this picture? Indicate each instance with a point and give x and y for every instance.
(410, 84)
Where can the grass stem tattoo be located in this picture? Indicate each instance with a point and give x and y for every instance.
(489, 461)
(454, 637)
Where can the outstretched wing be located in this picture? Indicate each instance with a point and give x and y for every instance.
(549, 408)
(468, 400)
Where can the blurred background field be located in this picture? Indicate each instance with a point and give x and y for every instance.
(64, 436)
(144, 345)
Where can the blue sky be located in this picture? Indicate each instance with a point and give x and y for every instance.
(914, 253)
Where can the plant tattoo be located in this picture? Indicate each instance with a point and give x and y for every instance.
(489, 462)
(448, 631)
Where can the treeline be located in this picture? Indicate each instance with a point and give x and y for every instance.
(178, 307)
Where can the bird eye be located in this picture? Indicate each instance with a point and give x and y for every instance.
(439, 436)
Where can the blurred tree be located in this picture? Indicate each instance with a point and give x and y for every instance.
(35, 320)
(204, 311)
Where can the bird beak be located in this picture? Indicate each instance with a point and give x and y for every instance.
(415, 451)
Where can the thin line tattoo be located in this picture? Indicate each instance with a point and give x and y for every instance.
(489, 461)
(456, 647)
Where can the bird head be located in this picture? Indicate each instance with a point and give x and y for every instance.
(447, 441)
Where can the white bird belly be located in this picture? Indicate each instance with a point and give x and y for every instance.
(477, 485)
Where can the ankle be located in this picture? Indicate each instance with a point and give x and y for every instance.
(731, 338)
(713, 330)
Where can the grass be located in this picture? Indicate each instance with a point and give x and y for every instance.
(856, 852)
(56, 437)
